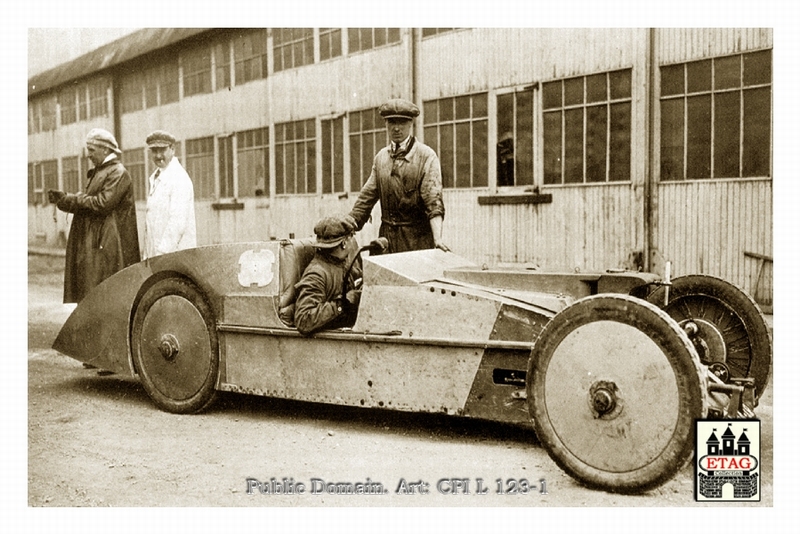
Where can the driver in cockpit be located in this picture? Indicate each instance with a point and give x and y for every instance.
(320, 302)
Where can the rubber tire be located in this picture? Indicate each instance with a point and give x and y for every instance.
(205, 393)
(739, 304)
(690, 385)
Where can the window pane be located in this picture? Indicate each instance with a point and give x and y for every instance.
(551, 95)
(620, 84)
(380, 36)
(446, 156)
(620, 150)
(758, 68)
(338, 151)
(480, 156)
(698, 121)
(480, 105)
(672, 139)
(596, 88)
(596, 144)
(727, 72)
(445, 109)
(573, 91)
(352, 40)
(672, 80)
(431, 138)
(462, 107)
(310, 169)
(698, 76)
(327, 171)
(523, 147)
(726, 135)
(573, 146)
(463, 149)
(368, 154)
(552, 147)
(757, 140)
(431, 110)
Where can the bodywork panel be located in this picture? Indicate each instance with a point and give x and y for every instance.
(434, 332)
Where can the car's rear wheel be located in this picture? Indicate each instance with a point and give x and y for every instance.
(614, 386)
(175, 346)
(725, 324)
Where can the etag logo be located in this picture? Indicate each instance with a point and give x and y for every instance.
(727, 464)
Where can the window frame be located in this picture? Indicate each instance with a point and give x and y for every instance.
(287, 42)
(567, 107)
(289, 146)
(438, 132)
(361, 163)
(716, 96)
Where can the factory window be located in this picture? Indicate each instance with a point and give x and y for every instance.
(359, 39)
(330, 43)
(225, 164)
(367, 136)
(131, 93)
(32, 195)
(98, 98)
(47, 114)
(154, 86)
(429, 32)
(716, 117)
(295, 157)
(252, 150)
(250, 56)
(196, 71)
(222, 66)
(134, 161)
(292, 47)
(587, 128)
(68, 104)
(515, 138)
(200, 166)
(333, 155)
(71, 174)
(457, 128)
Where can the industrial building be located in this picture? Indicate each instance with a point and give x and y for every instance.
(578, 149)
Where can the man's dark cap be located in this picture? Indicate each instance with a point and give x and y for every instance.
(160, 138)
(331, 231)
(398, 108)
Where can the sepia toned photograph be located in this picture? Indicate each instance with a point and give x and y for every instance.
(401, 267)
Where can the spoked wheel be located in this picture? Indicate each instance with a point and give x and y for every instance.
(175, 346)
(725, 325)
(614, 386)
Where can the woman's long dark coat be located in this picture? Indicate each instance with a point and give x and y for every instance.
(103, 238)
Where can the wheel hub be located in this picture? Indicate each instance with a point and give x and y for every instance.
(707, 340)
(605, 400)
(169, 347)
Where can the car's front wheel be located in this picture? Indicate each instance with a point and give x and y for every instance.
(175, 346)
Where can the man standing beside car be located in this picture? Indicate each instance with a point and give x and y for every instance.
(406, 178)
(103, 237)
(169, 220)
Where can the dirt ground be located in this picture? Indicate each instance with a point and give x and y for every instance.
(98, 441)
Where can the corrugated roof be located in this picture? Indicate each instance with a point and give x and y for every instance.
(123, 49)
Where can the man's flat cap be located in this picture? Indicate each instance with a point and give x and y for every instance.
(331, 231)
(160, 138)
(397, 108)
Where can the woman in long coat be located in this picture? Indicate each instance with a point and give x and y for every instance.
(103, 237)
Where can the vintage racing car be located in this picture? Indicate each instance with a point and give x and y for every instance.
(610, 368)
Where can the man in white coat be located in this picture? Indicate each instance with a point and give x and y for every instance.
(169, 221)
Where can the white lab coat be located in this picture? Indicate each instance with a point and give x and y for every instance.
(169, 221)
